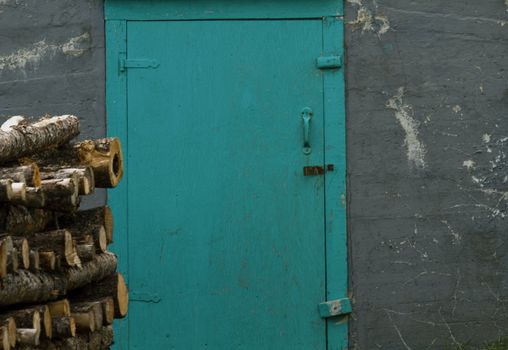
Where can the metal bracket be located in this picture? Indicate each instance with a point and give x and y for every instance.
(141, 63)
(329, 62)
(314, 170)
(334, 308)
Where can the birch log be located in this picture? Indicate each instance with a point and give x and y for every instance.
(104, 156)
(20, 220)
(28, 174)
(28, 287)
(20, 138)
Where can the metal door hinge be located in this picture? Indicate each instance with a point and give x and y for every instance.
(334, 308)
(141, 63)
(329, 62)
(317, 170)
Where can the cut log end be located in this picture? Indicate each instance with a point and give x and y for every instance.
(47, 260)
(4, 338)
(122, 297)
(60, 308)
(10, 324)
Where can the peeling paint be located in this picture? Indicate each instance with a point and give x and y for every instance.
(404, 114)
(32, 57)
(369, 22)
(468, 164)
(76, 46)
(457, 109)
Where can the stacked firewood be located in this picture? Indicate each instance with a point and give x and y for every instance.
(59, 288)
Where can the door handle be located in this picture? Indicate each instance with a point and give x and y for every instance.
(306, 117)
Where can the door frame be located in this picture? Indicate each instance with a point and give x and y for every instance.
(336, 251)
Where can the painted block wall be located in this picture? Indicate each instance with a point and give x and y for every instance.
(427, 108)
(52, 61)
(427, 104)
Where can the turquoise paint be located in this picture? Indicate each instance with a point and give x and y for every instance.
(213, 9)
(335, 182)
(221, 237)
(116, 109)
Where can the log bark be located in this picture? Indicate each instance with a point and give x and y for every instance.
(21, 245)
(34, 260)
(19, 220)
(104, 156)
(86, 252)
(28, 174)
(28, 287)
(58, 241)
(47, 260)
(61, 194)
(84, 175)
(85, 221)
(63, 327)
(24, 318)
(12, 254)
(95, 234)
(46, 321)
(112, 286)
(34, 198)
(20, 138)
(28, 336)
(6, 190)
(99, 340)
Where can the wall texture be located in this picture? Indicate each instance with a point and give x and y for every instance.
(427, 103)
(52, 61)
(427, 151)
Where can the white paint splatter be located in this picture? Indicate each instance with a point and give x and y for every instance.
(457, 108)
(33, 56)
(404, 114)
(74, 47)
(486, 138)
(376, 23)
(469, 164)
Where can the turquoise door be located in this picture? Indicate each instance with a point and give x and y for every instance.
(228, 244)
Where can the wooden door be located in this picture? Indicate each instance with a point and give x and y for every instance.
(229, 245)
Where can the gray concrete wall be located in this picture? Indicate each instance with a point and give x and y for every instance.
(52, 61)
(427, 108)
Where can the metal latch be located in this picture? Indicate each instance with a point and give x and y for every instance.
(140, 63)
(334, 308)
(329, 62)
(317, 170)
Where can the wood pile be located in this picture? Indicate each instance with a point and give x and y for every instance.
(59, 288)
